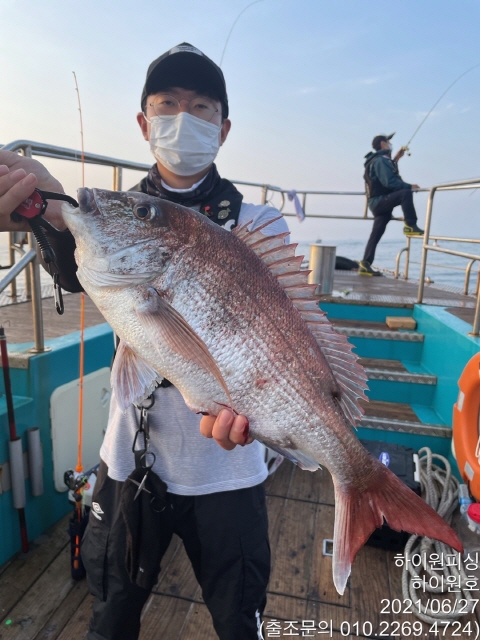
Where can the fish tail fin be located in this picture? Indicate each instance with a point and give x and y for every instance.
(359, 512)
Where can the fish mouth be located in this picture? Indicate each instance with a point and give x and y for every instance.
(86, 200)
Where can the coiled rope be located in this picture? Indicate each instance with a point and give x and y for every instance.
(441, 493)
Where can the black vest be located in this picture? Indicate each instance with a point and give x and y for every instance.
(217, 197)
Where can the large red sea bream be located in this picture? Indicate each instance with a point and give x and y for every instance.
(230, 320)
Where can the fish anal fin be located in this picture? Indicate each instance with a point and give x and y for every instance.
(163, 323)
(358, 514)
(305, 461)
(131, 378)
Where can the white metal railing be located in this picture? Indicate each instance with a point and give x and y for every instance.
(473, 183)
(30, 148)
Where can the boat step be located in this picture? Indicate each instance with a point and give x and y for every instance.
(405, 426)
(400, 376)
(400, 417)
(380, 334)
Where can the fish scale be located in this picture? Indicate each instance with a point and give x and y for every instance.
(230, 320)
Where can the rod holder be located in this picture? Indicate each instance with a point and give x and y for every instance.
(35, 461)
(17, 473)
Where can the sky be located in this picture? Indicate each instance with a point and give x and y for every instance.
(310, 83)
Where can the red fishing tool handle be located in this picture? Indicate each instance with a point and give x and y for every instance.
(33, 206)
(8, 386)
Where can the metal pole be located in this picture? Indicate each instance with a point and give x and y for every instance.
(467, 277)
(11, 258)
(423, 267)
(365, 208)
(407, 258)
(117, 178)
(264, 193)
(476, 320)
(34, 268)
(397, 262)
(37, 310)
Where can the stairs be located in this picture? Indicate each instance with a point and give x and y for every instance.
(401, 392)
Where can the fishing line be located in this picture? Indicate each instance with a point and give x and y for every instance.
(233, 25)
(443, 94)
(79, 467)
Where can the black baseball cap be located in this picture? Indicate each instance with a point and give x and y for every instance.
(185, 64)
(381, 138)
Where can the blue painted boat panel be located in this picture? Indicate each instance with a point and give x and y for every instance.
(405, 392)
(366, 313)
(46, 372)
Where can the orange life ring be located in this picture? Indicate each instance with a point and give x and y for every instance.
(466, 425)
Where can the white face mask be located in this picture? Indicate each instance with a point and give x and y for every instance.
(184, 144)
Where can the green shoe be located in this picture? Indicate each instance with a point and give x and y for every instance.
(412, 230)
(365, 269)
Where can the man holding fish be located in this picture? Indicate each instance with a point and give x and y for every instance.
(231, 320)
(215, 500)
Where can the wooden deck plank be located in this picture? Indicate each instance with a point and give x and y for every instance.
(278, 483)
(61, 619)
(291, 571)
(332, 615)
(306, 485)
(178, 579)
(275, 510)
(285, 608)
(198, 624)
(389, 410)
(321, 585)
(19, 322)
(39, 604)
(78, 625)
(19, 574)
(165, 618)
(366, 597)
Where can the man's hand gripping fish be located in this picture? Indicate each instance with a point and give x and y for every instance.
(230, 320)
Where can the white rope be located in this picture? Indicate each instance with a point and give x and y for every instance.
(440, 489)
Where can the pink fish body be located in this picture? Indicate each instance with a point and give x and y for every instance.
(230, 320)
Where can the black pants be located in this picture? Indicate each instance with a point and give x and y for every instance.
(225, 536)
(383, 214)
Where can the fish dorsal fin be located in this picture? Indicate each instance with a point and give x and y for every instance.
(163, 323)
(283, 263)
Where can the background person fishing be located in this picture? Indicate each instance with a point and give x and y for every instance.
(215, 499)
(385, 191)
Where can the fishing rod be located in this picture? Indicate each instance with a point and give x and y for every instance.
(233, 25)
(407, 146)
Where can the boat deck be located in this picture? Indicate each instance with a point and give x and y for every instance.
(39, 600)
(348, 285)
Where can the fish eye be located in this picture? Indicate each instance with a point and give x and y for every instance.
(144, 212)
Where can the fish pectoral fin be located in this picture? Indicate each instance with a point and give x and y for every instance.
(132, 378)
(163, 323)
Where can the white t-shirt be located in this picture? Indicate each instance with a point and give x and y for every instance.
(189, 463)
